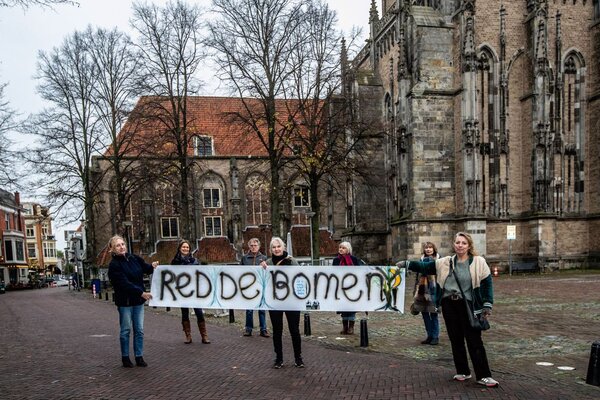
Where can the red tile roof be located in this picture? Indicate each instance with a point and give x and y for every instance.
(207, 116)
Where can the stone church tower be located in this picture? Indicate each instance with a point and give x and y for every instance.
(490, 117)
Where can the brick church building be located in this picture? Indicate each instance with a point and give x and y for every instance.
(491, 114)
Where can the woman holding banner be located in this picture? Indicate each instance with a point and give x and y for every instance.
(280, 257)
(462, 277)
(184, 257)
(126, 273)
(345, 257)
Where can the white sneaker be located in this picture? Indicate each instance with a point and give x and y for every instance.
(461, 377)
(489, 382)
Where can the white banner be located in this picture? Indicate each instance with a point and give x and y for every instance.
(290, 287)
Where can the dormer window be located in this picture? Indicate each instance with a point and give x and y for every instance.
(203, 146)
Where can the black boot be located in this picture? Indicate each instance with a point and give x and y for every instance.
(127, 362)
(139, 361)
(344, 327)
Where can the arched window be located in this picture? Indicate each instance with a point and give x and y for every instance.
(257, 200)
(570, 174)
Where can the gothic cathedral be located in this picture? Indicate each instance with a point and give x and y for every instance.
(489, 123)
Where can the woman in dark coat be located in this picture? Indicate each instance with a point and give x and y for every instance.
(280, 257)
(184, 257)
(126, 273)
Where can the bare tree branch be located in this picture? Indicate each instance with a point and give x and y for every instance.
(171, 51)
(25, 4)
(253, 41)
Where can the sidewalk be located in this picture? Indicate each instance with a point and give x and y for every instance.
(64, 345)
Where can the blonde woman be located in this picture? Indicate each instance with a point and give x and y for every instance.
(280, 258)
(126, 273)
(464, 272)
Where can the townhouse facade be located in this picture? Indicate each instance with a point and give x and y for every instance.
(14, 267)
(40, 239)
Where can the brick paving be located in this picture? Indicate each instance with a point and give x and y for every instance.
(60, 344)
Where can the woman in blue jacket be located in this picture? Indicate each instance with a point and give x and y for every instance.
(126, 273)
(471, 272)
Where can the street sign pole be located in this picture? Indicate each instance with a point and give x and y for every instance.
(511, 234)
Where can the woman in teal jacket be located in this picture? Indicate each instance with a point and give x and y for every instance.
(475, 278)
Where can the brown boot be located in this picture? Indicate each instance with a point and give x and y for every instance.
(202, 328)
(345, 329)
(350, 327)
(187, 329)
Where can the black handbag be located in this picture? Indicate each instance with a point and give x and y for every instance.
(477, 321)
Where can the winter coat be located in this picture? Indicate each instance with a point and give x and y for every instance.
(180, 259)
(424, 296)
(126, 274)
(253, 259)
(481, 278)
(355, 261)
(287, 260)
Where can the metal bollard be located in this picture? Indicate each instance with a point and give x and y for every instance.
(364, 333)
(593, 372)
(106, 296)
(231, 316)
(168, 309)
(113, 297)
(307, 330)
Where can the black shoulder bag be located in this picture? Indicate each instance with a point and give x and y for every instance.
(477, 322)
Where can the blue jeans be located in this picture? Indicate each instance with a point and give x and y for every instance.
(129, 316)
(432, 324)
(262, 320)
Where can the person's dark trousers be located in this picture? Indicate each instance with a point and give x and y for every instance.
(459, 330)
(293, 319)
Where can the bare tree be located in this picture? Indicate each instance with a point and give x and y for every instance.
(31, 3)
(68, 132)
(320, 139)
(7, 123)
(253, 42)
(113, 98)
(171, 53)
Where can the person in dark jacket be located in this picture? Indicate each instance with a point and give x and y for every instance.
(184, 257)
(126, 273)
(255, 257)
(424, 297)
(345, 257)
(467, 271)
(280, 257)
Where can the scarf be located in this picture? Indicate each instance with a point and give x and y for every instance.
(278, 259)
(184, 260)
(345, 259)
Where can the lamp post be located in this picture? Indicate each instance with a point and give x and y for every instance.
(310, 216)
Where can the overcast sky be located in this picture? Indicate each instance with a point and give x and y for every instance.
(24, 33)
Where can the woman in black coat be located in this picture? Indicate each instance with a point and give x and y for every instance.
(126, 273)
(184, 257)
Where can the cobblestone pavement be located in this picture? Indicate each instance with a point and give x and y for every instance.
(61, 344)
